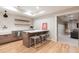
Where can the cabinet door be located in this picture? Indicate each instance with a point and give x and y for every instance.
(5, 38)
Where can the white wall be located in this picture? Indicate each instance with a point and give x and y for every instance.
(52, 23)
(10, 22)
(60, 29)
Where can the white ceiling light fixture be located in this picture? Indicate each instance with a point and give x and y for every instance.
(10, 8)
(29, 13)
(41, 12)
(37, 7)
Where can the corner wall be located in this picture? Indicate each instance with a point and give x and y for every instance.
(52, 25)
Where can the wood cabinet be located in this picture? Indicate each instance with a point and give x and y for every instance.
(8, 38)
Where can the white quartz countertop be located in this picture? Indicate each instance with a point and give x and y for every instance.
(31, 31)
(4, 32)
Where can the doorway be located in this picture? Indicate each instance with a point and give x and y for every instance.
(67, 29)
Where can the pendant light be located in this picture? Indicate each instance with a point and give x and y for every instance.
(5, 14)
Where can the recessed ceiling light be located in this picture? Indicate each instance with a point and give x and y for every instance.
(41, 12)
(29, 13)
(37, 8)
(10, 8)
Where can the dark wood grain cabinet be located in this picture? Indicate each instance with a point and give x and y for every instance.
(8, 38)
(27, 35)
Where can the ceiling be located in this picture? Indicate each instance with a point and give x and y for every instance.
(34, 11)
(69, 17)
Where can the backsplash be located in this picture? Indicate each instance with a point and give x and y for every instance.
(9, 23)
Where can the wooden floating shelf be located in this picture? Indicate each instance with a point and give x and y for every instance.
(22, 20)
(22, 24)
(19, 22)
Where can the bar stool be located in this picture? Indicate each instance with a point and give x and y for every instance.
(43, 37)
(34, 39)
(47, 35)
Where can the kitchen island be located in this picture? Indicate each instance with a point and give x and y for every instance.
(27, 35)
